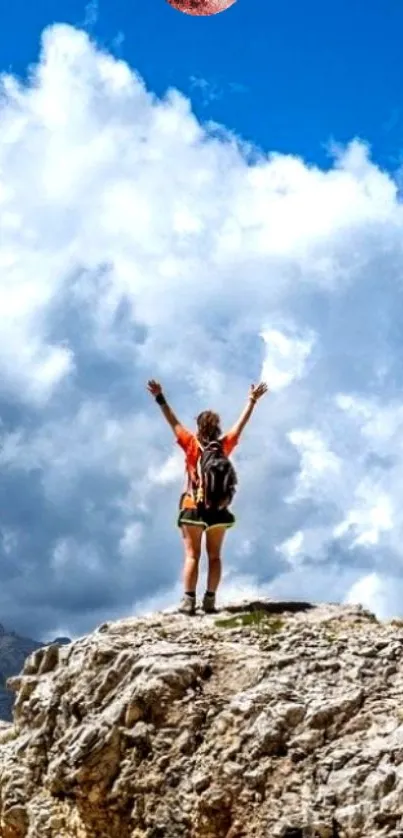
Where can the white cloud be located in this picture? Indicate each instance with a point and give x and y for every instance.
(373, 515)
(91, 13)
(291, 548)
(286, 357)
(170, 471)
(318, 465)
(132, 540)
(137, 242)
(382, 596)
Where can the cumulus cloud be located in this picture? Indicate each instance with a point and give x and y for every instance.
(137, 242)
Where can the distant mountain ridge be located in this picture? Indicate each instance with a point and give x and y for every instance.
(14, 650)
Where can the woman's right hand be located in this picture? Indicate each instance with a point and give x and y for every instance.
(154, 388)
(256, 392)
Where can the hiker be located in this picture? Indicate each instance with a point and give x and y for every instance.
(210, 487)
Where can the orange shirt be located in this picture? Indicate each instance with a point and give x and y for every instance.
(188, 442)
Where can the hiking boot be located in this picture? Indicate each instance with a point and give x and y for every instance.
(209, 603)
(188, 605)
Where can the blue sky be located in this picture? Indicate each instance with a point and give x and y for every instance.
(290, 76)
(139, 241)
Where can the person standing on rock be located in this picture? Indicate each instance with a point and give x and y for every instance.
(210, 487)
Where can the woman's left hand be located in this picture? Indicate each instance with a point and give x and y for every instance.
(154, 388)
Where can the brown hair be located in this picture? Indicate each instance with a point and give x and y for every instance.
(208, 426)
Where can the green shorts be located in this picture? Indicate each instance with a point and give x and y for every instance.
(206, 518)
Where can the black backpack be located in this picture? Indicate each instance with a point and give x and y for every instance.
(217, 477)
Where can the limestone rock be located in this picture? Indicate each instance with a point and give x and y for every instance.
(14, 650)
(269, 720)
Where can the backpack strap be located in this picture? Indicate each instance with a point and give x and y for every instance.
(200, 488)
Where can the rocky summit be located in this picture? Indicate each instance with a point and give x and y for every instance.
(268, 720)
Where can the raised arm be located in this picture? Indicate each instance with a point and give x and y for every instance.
(155, 389)
(255, 393)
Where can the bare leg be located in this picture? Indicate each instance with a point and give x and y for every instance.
(192, 536)
(214, 541)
